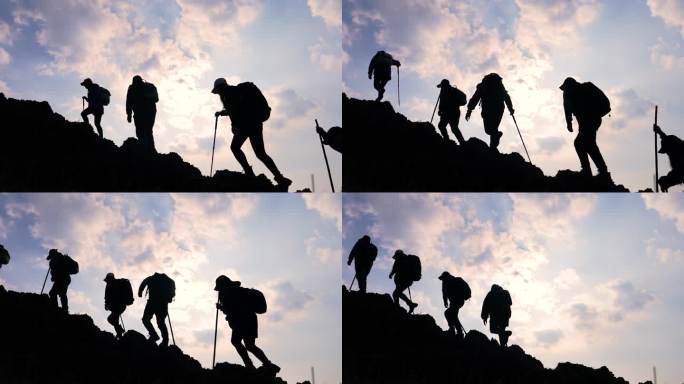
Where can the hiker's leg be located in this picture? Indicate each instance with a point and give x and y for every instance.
(64, 299)
(147, 316)
(137, 120)
(593, 150)
(453, 122)
(84, 115)
(256, 351)
(395, 295)
(361, 276)
(149, 131)
(98, 119)
(256, 139)
(447, 316)
(160, 315)
(581, 149)
(113, 319)
(236, 148)
(442, 127)
(379, 86)
(236, 340)
(53, 294)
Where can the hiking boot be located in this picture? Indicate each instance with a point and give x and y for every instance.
(585, 172)
(249, 172)
(271, 367)
(164, 343)
(282, 181)
(605, 175)
(153, 338)
(412, 306)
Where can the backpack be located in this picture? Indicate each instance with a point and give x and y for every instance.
(463, 288)
(150, 92)
(598, 100)
(459, 97)
(70, 265)
(103, 95)
(124, 291)
(255, 101)
(413, 267)
(385, 59)
(257, 301)
(4, 255)
(166, 287)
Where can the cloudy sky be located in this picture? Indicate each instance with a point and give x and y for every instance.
(285, 245)
(291, 50)
(633, 50)
(595, 279)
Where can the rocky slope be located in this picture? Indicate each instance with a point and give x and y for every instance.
(41, 151)
(387, 152)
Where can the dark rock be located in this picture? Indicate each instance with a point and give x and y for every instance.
(387, 152)
(384, 344)
(41, 151)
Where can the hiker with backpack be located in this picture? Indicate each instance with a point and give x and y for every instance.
(380, 69)
(248, 110)
(497, 307)
(141, 103)
(118, 295)
(455, 291)
(589, 104)
(406, 269)
(673, 147)
(363, 254)
(4, 256)
(61, 268)
(161, 291)
(491, 94)
(241, 306)
(98, 97)
(450, 101)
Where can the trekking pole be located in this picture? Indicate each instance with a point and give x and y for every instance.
(171, 327)
(398, 93)
(435, 109)
(122, 323)
(352, 284)
(82, 104)
(410, 298)
(521, 139)
(44, 281)
(213, 147)
(325, 157)
(213, 359)
(655, 144)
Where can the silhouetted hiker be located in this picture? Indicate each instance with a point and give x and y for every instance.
(450, 101)
(248, 110)
(380, 69)
(241, 306)
(61, 269)
(141, 102)
(4, 256)
(497, 306)
(589, 104)
(673, 147)
(492, 96)
(333, 137)
(118, 295)
(406, 269)
(97, 98)
(455, 291)
(162, 290)
(363, 254)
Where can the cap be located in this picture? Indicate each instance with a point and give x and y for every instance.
(53, 252)
(110, 276)
(87, 81)
(218, 84)
(444, 274)
(568, 80)
(223, 281)
(397, 253)
(443, 83)
(137, 79)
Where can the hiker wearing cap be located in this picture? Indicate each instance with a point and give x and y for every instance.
(141, 104)
(450, 101)
(492, 96)
(97, 98)
(497, 307)
(405, 270)
(673, 147)
(380, 69)
(248, 110)
(363, 254)
(61, 269)
(455, 291)
(161, 291)
(241, 305)
(589, 104)
(118, 295)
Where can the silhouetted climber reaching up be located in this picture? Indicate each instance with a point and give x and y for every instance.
(118, 295)
(161, 290)
(248, 110)
(363, 254)
(673, 147)
(98, 97)
(333, 137)
(4, 256)
(141, 102)
(450, 101)
(380, 69)
(406, 269)
(61, 269)
(455, 291)
(241, 306)
(497, 307)
(492, 96)
(589, 104)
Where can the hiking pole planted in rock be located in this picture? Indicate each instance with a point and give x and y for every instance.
(398, 93)
(44, 281)
(171, 327)
(352, 284)
(435, 109)
(325, 156)
(122, 323)
(213, 147)
(410, 298)
(213, 359)
(655, 143)
(521, 139)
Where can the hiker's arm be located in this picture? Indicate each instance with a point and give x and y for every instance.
(129, 106)
(142, 287)
(473, 103)
(567, 106)
(509, 103)
(659, 131)
(396, 62)
(444, 297)
(352, 254)
(371, 67)
(393, 270)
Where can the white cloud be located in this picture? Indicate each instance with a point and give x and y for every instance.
(328, 205)
(663, 54)
(325, 56)
(671, 11)
(5, 57)
(329, 10)
(670, 207)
